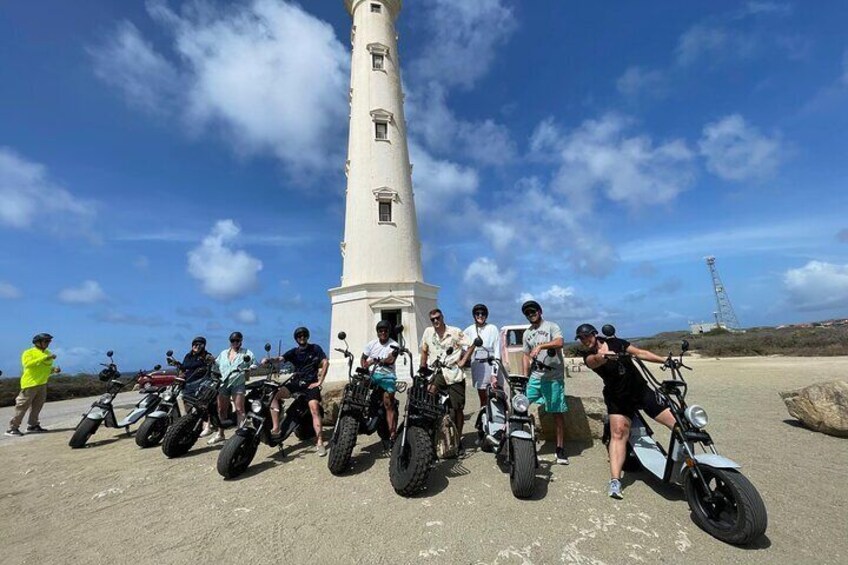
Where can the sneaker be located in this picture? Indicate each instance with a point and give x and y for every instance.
(14, 432)
(387, 444)
(561, 457)
(206, 432)
(217, 438)
(321, 450)
(460, 449)
(36, 429)
(614, 490)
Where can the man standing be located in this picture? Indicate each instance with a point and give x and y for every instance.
(482, 374)
(547, 374)
(436, 341)
(311, 364)
(625, 392)
(232, 366)
(379, 352)
(37, 365)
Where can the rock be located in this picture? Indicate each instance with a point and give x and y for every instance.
(584, 420)
(822, 407)
(331, 398)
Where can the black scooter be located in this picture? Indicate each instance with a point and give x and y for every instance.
(361, 412)
(427, 419)
(201, 406)
(102, 412)
(238, 451)
(153, 429)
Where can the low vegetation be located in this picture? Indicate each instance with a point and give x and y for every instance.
(60, 388)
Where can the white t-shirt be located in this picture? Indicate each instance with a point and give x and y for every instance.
(546, 332)
(491, 340)
(377, 350)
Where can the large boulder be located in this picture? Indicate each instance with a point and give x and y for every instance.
(822, 407)
(584, 420)
(331, 399)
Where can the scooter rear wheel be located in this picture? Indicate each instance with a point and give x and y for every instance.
(735, 514)
(85, 429)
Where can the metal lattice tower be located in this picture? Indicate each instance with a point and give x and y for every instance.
(725, 316)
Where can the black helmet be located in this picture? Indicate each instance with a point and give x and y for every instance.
(236, 336)
(584, 330)
(41, 337)
(384, 325)
(530, 304)
(199, 339)
(480, 308)
(301, 330)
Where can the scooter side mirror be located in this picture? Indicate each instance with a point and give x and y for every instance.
(110, 353)
(342, 336)
(685, 346)
(551, 352)
(157, 367)
(169, 353)
(399, 328)
(246, 358)
(478, 342)
(449, 351)
(267, 348)
(608, 330)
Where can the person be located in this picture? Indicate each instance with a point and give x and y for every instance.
(231, 363)
(311, 364)
(625, 392)
(436, 341)
(378, 352)
(547, 384)
(37, 362)
(195, 368)
(483, 374)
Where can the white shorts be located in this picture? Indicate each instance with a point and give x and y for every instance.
(481, 374)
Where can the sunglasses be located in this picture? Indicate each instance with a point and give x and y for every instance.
(530, 312)
(298, 336)
(197, 345)
(480, 314)
(235, 341)
(435, 319)
(382, 331)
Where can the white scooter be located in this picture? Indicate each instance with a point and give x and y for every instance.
(723, 502)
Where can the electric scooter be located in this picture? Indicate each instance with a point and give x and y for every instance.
(153, 429)
(722, 500)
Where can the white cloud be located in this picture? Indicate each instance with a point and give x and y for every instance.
(463, 39)
(88, 292)
(241, 69)
(737, 151)
(123, 318)
(9, 291)
(75, 359)
(562, 304)
(223, 272)
(485, 271)
(246, 316)
(600, 155)
(817, 286)
(29, 195)
(439, 184)
(636, 81)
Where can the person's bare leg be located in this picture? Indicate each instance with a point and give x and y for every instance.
(223, 402)
(559, 419)
(391, 416)
(238, 401)
(275, 412)
(666, 418)
(315, 408)
(619, 432)
(481, 394)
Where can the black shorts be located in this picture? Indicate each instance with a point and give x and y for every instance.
(456, 391)
(627, 405)
(296, 387)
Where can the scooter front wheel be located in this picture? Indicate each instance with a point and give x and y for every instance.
(181, 436)
(85, 429)
(151, 432)
(731, 510)
(522, 476)
(410, 463)
(236, 455)
(343, 444)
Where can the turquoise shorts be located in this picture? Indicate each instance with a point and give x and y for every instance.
(385, 382)
(549, 393)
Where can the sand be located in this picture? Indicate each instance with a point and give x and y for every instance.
(115, 503)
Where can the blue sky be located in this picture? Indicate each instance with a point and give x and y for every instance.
(173, 169)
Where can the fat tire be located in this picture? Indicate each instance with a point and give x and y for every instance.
(522, 476)
(304, 431)
(236, 455)
(150, 432)
(412, 478)
(180, 436)
(752, 519)
(85, 429)
(338, 459)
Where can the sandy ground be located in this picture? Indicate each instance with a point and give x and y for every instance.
(115, 503)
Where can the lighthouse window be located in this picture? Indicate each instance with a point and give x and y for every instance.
(385, 211)
(377, 61)
(376, 8)
(381, 130)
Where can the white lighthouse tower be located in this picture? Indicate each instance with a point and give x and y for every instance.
(381, 251)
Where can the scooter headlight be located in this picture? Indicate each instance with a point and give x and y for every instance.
(520, 403)
(256, 406)
(106, 399)
(167, 397)
(697, 416)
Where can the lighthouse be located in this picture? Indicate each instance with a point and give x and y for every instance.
(381, 252)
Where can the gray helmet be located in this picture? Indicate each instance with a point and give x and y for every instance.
(530, 304)
(384, 325)
(585, 329)
(301, 330)
(480, 308)
(199, 339)
(41, 337)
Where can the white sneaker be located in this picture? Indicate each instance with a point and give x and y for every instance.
(321, 450)
(206, 432)
(217, 438)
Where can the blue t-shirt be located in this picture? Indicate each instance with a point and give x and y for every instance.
(306, 360)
